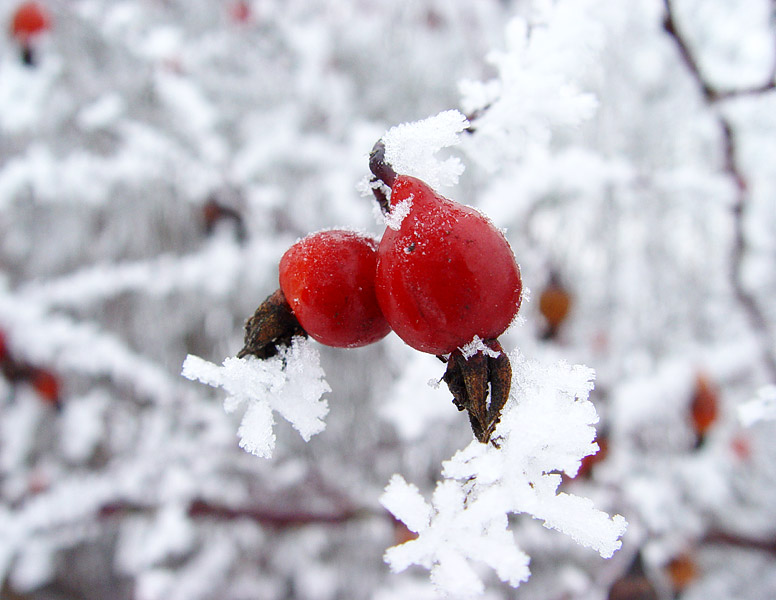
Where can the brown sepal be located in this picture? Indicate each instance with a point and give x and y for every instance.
(272, 325)
(472, 380)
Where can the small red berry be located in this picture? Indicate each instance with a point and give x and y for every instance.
(704, 408)
(741, 447)
(3, 347)
(240, 11)
(446, 274)
(328, 279)
(29, 20)
(46, 384)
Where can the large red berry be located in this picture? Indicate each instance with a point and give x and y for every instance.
(328, 279)
(29, 20)
(446, 274)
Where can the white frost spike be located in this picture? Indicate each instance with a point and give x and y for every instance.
(538, 89)
(291, 383)
(451, 534)
(549, 430)
(410, 148)
(477, 345)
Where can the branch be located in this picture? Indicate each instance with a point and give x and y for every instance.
(710, 93)
(732, 166)
(267, 516)
(730, 539)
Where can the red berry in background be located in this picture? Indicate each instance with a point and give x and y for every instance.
(328, 280)
(741, 447)
(46, 384)
(29, 20)
(240, 11)
(589, 461)
(3, 347)
(705, 405)
(446, 275)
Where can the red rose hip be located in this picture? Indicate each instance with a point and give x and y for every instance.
(328, 280)
(29, 20)
(446, 274)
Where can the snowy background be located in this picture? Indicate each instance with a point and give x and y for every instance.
(161, 155)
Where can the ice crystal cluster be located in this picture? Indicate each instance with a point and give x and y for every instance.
(546, 428)
(290, 383)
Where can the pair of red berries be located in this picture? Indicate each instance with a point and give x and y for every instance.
(441, 277)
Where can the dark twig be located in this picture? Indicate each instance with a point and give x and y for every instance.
(733, 168)
(267, 516)
(730, 539)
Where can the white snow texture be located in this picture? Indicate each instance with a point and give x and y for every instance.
(546, 428)
(291, 383)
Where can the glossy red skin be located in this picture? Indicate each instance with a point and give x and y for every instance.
(446, 275)
(3, 347)
(328, 280)
(29, 20)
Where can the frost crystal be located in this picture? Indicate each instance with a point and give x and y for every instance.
(290, 383)
(394, 219)
(762, 408)
(410, 148)
(477, 345)
(537, 87)
(546, 428)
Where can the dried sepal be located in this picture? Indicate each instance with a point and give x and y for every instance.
(272, 325)
(480, 385)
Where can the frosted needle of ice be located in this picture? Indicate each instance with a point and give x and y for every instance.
(291, 384)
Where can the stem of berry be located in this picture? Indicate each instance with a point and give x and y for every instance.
(272, 325)
(383, 173)
(470, 380)
(28, 55)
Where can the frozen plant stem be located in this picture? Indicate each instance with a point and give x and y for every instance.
(383, 173)
(732, 167)
(278, 518)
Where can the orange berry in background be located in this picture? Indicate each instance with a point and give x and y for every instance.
(682, 571)
(554, 305)
(704, 408)
(29, 20)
